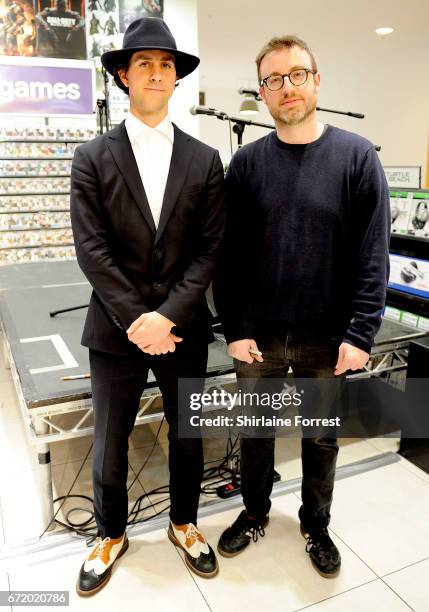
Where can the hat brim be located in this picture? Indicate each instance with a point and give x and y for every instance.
(185, 62)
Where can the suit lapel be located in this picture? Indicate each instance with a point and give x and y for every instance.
(180, 160)
(120, 147)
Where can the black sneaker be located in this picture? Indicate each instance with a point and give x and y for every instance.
(235, 539)
(323, 553)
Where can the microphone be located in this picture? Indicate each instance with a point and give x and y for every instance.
(252, 92)
(356, 115)
(205, 110)
(329, 110)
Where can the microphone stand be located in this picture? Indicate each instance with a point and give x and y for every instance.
(329, 110)
(103, 118)
(240, 124)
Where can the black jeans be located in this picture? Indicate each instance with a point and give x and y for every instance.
(117, 384)
(308, 358)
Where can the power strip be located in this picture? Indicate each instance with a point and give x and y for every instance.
(234, 487)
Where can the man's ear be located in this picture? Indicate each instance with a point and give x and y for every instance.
(177, 83)
(122, 72)
(317, 81)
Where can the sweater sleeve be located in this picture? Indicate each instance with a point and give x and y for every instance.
(371, 266)
(233, 281)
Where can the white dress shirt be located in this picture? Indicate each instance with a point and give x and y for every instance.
(152, 148)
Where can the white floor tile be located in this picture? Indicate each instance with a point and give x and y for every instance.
(382, 515)
(276, 571)
(288, 458)
(385, 444)
(355, 449)
(410, 467)
(288, 454)
(368, 597)
(411, 583)
(150, 576)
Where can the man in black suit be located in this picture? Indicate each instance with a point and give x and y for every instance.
(147, 215)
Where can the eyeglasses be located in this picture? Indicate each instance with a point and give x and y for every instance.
(296, 77)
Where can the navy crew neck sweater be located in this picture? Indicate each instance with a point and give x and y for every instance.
(306, 241)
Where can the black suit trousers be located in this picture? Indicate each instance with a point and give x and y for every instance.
(117, 384)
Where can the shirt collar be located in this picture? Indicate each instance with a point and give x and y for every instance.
(136, 128)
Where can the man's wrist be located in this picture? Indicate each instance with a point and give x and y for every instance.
(170, 322)
(358, 343)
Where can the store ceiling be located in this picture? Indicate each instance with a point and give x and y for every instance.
(340, 32)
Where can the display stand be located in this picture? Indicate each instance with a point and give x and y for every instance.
(34, 195)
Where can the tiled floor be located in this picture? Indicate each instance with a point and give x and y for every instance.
(380, 524)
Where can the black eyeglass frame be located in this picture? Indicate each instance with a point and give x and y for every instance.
(283, 76)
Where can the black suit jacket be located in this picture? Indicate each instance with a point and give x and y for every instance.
(133, 267)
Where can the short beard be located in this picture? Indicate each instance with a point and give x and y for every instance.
(295, 119)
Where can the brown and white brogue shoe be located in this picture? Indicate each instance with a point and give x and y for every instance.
(97, 567)
(199, 555)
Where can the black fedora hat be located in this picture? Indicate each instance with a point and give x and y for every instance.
(147, 33)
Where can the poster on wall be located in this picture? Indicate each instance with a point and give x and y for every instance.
(17, 28)
(129, 10)
(102, 27)
(60, 28)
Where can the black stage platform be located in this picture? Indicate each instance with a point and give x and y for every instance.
(40, 350)
(44, 348)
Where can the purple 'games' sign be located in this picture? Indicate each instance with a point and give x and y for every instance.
(46, 90)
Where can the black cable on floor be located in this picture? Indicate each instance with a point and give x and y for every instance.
(64, 497)
(226, 470)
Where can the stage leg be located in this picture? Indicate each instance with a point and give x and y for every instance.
(45, 479)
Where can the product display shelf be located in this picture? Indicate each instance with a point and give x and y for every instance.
(35, 167)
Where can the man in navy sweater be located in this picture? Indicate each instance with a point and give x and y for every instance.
(303, 276)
